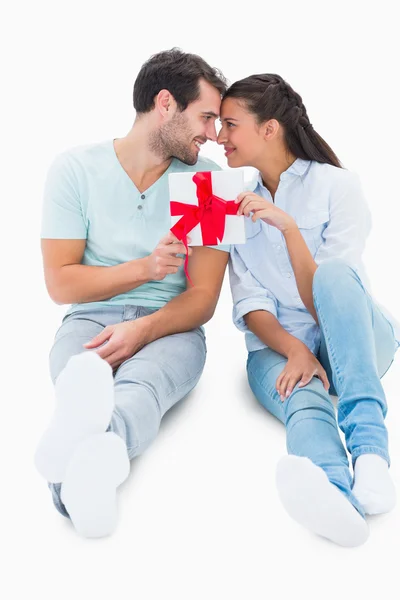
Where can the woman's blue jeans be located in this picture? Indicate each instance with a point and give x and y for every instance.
(357, 348)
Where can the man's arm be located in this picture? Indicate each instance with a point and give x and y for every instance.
(69, 282)
(188, 310)
(196, 305)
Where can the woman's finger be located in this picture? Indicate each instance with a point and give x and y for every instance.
(282, 387)
(254, 206)
(292, 384)
(278, 381)
(324, 378)
(243, 204)
(306, 378)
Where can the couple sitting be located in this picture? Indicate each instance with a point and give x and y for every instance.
(132, 344)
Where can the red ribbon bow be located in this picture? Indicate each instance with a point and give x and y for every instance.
(210, 213)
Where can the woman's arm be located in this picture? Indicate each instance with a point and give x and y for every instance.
(268, 329)
(301, 365)
(302, 262)
(303, 266)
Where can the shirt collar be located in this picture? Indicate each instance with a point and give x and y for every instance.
(298, 168)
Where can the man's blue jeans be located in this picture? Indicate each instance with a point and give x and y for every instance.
(357, 348)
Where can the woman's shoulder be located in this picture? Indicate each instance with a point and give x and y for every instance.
(334, 177)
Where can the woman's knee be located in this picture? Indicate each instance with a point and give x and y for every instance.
(333, 272)
(312, 399)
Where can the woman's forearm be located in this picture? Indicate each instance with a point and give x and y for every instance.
(268, 329)
(303, 266)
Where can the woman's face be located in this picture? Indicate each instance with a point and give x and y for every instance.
(240, 135)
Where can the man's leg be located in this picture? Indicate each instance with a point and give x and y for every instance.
(83, 384)
(146, 386)
(151, 382)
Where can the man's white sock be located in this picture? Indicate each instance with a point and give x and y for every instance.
(84, 404)
(98, 466)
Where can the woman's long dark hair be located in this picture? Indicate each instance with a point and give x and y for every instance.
(267, 97)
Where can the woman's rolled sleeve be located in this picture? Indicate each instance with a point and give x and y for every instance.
(247, 293)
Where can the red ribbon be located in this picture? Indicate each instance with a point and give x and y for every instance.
(210, 213)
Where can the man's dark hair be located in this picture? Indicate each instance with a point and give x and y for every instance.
(177, 72)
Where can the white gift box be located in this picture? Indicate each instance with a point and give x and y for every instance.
(227, 184)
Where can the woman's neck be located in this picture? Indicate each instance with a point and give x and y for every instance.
(272, 167)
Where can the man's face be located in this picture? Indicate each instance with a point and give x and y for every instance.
(183, 135)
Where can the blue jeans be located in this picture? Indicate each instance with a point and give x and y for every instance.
(357, 348)
(146, 385)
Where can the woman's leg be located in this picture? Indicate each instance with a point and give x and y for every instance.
(309, 486)
(359, 345)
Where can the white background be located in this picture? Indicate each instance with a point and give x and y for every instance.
(199, 515)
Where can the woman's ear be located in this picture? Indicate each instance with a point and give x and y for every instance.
(271, 128)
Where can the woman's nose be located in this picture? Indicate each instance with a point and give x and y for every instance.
(221, 137)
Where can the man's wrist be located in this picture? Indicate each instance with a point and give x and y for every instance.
(139, 267)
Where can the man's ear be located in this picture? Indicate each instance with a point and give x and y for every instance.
(165, 103)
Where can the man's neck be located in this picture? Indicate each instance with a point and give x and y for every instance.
(141, 164)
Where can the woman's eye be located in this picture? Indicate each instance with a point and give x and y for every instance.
(230, 124)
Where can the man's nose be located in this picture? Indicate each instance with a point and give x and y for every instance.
(212, 133)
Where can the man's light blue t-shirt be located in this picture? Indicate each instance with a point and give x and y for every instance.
(88, 195)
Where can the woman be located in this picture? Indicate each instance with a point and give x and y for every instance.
(312, 328)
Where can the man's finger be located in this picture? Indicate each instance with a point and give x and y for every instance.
(107, 350)
(99, 339)
(170, 238)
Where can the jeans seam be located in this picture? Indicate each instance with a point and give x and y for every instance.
(331, 353)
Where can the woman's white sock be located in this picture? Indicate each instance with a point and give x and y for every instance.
(373, 487)
(314, 502)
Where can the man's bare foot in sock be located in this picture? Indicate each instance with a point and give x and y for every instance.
(314, 502)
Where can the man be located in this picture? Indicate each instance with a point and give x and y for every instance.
(108, 252)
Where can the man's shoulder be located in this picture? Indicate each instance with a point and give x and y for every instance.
(82, 156)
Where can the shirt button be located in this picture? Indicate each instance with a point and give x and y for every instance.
(143, 196)
(140, 207)
(278, 247)
(288, 274)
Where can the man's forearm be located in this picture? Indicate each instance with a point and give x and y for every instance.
(72, 284)
(189, 310)
(304, 268)
(268, 329)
